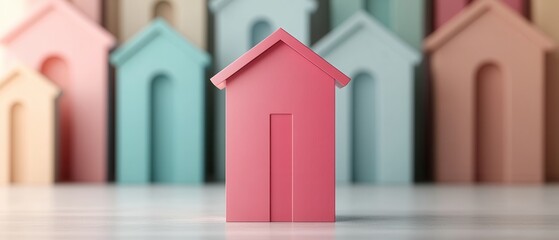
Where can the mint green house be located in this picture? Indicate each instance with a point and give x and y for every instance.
(160, 107)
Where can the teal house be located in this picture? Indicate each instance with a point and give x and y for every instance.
(374, 118)
(160, 107)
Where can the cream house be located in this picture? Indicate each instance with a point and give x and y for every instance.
(27, 127)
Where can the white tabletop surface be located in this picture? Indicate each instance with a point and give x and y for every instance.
(198, 212)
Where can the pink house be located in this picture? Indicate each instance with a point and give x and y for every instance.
(280, 132)
(488, 77)
(444, 10)
(72, 51)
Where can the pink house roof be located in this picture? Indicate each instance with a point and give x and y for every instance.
(46, 7)
(473, 12)
(219, 80)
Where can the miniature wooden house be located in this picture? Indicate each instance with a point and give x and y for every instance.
(487, 68)
(403, 17)
(27, 127)
(240, 25)
(280, 132)
(160, 107)
(544, 16)
(124, 18)
(73, 53)
(374, 117)
(444, 10)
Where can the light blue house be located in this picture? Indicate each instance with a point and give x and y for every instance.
(408, 20)
(241, 24)
(374, 119)
(160, 102)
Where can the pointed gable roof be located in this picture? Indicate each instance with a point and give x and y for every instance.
(217, 5)
(158, 28)
(47, 7)
(362, 21)
(280, 35)
(20, 71)
(473, 12)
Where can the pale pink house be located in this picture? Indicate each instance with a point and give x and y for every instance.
(488, 67)
(280, 146)
(444, 10)
(72, 51)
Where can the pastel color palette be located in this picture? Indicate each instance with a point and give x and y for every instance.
(280, 123)
(160, 107)
(488, 104)
(444, 10)
(27, 127)
(83, 107)
(374, 117)
(240, 25)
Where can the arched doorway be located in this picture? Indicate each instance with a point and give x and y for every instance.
(490, 124)
(260, 30)
(17, 143)
(56, 70)
(364, 102)
(164, 9)
(161, 128)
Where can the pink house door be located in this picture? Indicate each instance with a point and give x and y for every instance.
(56, 69)
(490, 124)
(281, 167)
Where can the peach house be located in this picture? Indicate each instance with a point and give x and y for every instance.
(280, 133)
(72, 51)
(487, 68)
(27, 127)
(444, 10)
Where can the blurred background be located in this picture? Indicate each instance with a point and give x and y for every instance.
(443, 90)
(111, 128)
